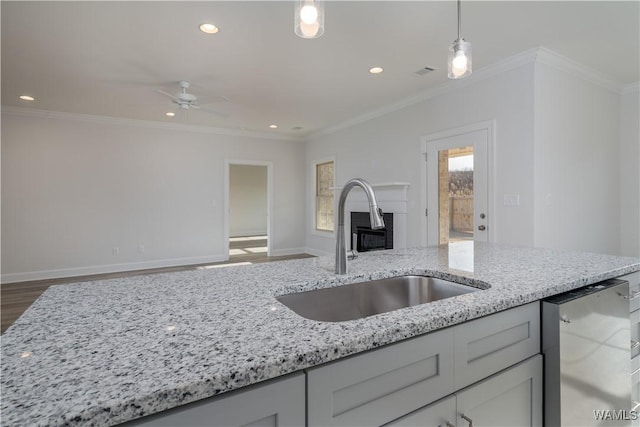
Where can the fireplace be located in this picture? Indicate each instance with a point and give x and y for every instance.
(364, 239)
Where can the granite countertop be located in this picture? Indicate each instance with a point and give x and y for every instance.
(104, 352)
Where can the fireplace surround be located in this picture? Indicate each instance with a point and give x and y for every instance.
(364, 239)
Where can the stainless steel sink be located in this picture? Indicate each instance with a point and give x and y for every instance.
(363, 299)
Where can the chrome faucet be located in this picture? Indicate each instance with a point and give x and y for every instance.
(375, 216)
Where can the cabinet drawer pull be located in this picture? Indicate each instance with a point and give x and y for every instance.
(467, 419)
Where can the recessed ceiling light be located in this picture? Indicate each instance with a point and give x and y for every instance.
(170, 114)
(209, 28)
(27, 98)
(376, 70)
(273, 126)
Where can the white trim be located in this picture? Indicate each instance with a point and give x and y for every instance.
(227, 182)
(89, 118)
(399, 185)
(490, 127)
(249, 233)
(312, 200)
(110, 268)
(510, 63)
(539, 54)
(562, 63)
(318, 253)
(289, 251)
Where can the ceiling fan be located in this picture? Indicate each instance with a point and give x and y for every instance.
(186, 101)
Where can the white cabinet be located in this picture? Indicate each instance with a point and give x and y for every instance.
(383, 385)
(441, 413)
(510, 398)
(489, 344)
(277, 403)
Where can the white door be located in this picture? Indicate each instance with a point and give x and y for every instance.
(457, 188)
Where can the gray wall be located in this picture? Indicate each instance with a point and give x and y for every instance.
(73, 189)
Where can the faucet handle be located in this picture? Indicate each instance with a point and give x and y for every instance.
(353, 254)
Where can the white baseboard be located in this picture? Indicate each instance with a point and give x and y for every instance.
(249, 233)
(289, 251)
(111, 268)
(317, 252)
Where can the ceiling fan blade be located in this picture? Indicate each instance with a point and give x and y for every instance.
(212, 99)
(215, 113)
(161, 92)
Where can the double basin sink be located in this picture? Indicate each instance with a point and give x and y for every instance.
(363, 299)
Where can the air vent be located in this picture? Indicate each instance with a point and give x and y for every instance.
(423, 71)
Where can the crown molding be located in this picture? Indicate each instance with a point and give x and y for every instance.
(150, 124)
(548, 57)
(534, 55)
(510, 63)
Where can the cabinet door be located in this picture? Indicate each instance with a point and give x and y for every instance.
(511, 398)
(380, 386)
(277, 403)
(490, 344)
(441, 414)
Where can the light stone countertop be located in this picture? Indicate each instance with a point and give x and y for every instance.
(104, 352)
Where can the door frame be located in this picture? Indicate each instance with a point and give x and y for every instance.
(227, 190)
(489, 126)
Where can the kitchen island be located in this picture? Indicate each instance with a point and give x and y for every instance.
(105, 352)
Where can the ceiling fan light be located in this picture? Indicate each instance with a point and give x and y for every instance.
(209, 28)
(309, 18)
(459, 63)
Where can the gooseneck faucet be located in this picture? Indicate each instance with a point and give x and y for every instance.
(375, 216)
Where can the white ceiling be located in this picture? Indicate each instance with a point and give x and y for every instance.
(108, 58)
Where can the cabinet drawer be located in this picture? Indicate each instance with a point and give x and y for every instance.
(276, 403)
(382, 385)
(493, 343)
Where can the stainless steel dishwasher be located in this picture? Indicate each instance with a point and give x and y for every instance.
(586, 345)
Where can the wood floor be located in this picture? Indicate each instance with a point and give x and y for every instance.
(17, 297)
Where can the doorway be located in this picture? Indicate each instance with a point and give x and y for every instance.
(248, 209)
(457, 196)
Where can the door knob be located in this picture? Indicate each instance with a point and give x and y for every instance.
(482, 227)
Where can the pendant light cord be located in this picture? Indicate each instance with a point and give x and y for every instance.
(459, 20)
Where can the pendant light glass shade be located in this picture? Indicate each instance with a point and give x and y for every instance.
(459, 55)
(459, 59)
(309, 18)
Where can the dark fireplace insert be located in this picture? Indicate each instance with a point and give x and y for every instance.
(364, 239)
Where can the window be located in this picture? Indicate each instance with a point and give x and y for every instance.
(324, 196)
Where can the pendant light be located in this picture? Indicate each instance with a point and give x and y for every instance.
(309, 18)
(459, 55)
